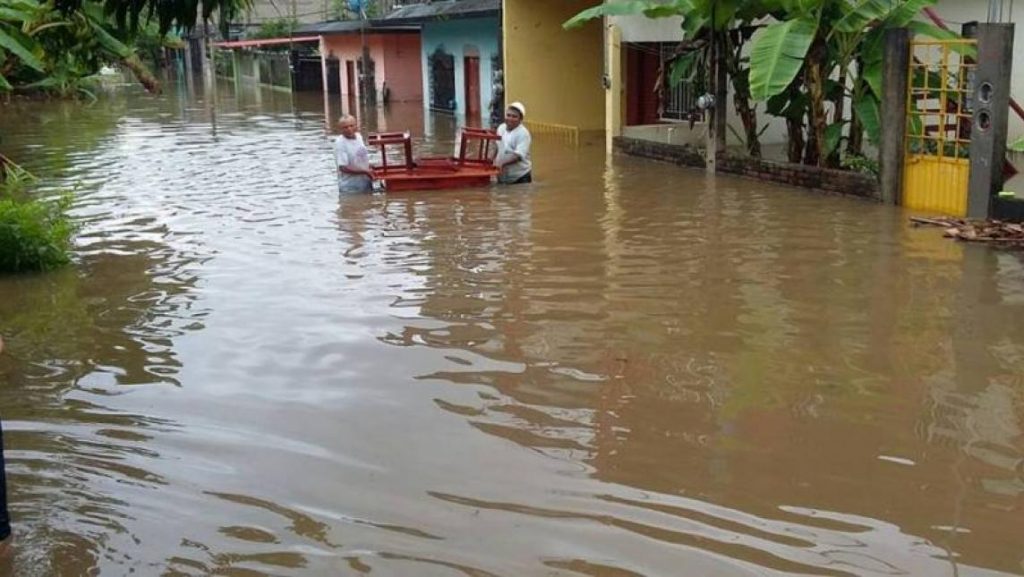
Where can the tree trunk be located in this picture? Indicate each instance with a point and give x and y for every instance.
(8, 66)
(202, 48)
(794, 122)
(741, 99)
(144, 76)
(817, 119)
(839, 100)
(838, 111)
(855, 143)
(795, 140)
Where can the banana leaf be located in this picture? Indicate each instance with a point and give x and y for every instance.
(21, 45)
(833, 134)
(777, 53)
(868, 112)
(628, 8)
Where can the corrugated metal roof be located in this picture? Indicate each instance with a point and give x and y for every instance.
(408, 18)
(265, 42)
(353, 27)
(445, 9)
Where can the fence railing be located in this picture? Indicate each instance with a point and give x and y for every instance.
(567, 133)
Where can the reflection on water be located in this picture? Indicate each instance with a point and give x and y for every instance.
(624, 368)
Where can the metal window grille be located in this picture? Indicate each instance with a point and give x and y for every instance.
(442, 80)
(678, 102)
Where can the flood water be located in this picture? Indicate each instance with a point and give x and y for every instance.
(626, 368)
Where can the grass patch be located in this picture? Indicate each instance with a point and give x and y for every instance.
(35, 234)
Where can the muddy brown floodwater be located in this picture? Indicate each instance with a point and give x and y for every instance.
(625, 368)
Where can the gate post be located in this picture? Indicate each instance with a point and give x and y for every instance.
(612, 86)
(991, 97)
(892, 141)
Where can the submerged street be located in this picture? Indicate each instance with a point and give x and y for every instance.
(623, 368)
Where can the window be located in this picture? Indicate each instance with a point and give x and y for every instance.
(677, 102)
(442, 80)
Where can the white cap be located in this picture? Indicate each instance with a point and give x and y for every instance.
(518, 106)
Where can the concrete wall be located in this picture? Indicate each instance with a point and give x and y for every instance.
(643, 29)
(841, 181)
(456, 36)
(667, 133)
(554, 72)
(396, 60)
(956, 12)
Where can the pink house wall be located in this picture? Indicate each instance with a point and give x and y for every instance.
(404, 71)
(396, 58)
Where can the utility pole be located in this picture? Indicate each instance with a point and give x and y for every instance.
(366, 79)
(716, 108)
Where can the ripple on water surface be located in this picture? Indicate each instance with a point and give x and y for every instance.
(625, 368)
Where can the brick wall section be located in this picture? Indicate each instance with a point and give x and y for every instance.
(841, 181)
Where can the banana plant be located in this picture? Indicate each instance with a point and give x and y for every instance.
(168, 14)
(16, 46)
(807, 53)
(729, 23)
(825, 37)
(58, 52)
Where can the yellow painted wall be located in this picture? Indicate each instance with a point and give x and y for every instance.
(556, 73)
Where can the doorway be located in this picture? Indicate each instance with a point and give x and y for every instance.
(350, 78)
(472, 75)
(442, 80)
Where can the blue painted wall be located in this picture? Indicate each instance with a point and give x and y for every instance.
(455, 36)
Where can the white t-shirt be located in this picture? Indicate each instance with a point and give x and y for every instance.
(514, 141)
(351, 152)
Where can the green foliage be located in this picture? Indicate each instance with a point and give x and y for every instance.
(777, 55)
(833, 133)
(129, 15)
(17, 47)
(862, 164)
(224, 64)
(34, 234)
(44, 49)
(870, 115)
(649, 8)
(1017, 145)
(149, 44)
(278, 28)
(726, 24)
(798, 49)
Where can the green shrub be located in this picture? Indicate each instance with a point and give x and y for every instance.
(34, 234)
(279, 28)
(862, 165)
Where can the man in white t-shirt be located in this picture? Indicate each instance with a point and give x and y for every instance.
(514, 152)
(354, 171)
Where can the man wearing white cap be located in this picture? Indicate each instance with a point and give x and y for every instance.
(514, 153)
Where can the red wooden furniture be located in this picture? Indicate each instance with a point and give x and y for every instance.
(472, 166)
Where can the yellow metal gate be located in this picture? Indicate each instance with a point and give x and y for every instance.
(938, 131)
